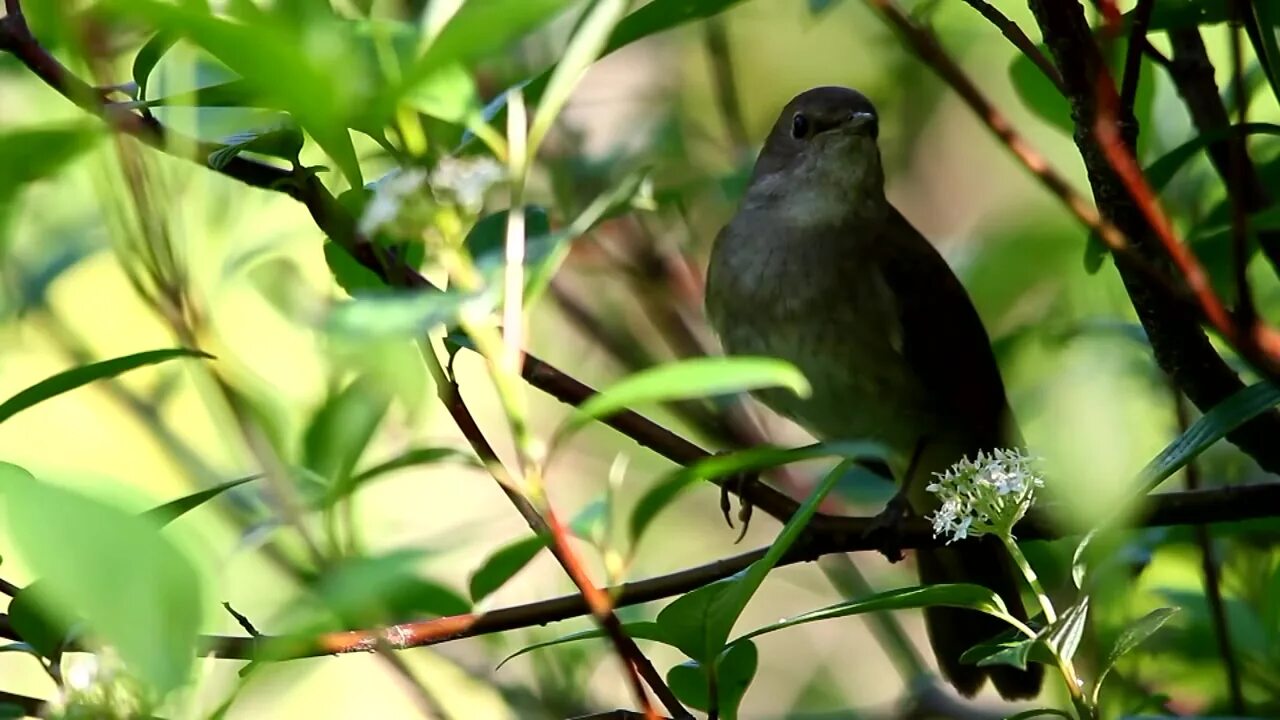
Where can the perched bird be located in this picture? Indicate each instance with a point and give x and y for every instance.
(819, 269)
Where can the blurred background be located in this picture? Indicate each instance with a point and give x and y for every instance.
(690, 105)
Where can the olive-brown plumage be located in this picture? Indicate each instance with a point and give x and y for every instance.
(819, 269)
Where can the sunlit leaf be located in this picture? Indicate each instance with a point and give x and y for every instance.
(147, 58)
(174, 509)
(502, 565)
(153, 626)
(662, 493)
(415, 457)
(341, 430)
(727, 607)
(281, 142)
(83, 375)
(972, 597)
(682, 380)
(584, 47)
(641, 630)
(478, 30)
(403, 313)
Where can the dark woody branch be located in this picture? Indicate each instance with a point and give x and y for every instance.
(1181, 347)
(827, 535)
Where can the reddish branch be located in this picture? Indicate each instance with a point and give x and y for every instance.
(833, 535)
(1180, 346)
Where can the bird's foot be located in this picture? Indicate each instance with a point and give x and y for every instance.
(888, 527)
(733, 485)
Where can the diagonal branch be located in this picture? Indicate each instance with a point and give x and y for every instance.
(1019, 39)
(1181, 347)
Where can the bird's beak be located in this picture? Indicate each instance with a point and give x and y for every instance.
(857, 122)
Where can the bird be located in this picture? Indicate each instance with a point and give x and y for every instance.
(818, 268)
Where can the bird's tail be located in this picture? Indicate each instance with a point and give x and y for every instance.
(952, 631)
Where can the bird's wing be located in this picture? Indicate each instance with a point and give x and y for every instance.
(943, 340)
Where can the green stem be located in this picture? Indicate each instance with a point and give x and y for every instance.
(1075, 685)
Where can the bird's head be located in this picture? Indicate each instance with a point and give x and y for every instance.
(821, 158)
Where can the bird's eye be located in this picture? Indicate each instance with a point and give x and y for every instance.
(799, 126)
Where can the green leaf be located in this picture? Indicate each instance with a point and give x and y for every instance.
(350, 275)
(282, 142)
(588, 41)
(341, 430)
(652, 18)
(404, 313)
(31, 155)
(762, 457)
(686, 379)
(961, 595)
(147, 58)
(510, 559)
(1013, 653)
(1178, 14)
(502, 565)
(366, 591)
(83, 375)
(9, 711)
(1163, 169)
(641, 630)
(728, 607)
(684, 620)
(319, 71)
(734, 671)
(550, 254)
(1065, 634)
(487, 239)
(33, 621)
(1039, 93)
(662, 15)
(413, 458)
(1211, 427)
(478, 30)
(174, 509)
(153, 626)
(449, 94)
(1133, 636)
(1041, 712)
(1265, 43)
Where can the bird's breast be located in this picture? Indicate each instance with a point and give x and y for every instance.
(823, 306)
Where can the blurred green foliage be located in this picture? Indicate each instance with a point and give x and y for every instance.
(139, 492)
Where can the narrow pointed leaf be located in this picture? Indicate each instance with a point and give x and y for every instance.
(642, 630)
(85, 374)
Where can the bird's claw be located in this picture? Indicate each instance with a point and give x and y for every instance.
(888, 526)
(733, 485)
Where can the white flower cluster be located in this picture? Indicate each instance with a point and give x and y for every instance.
(989, 494)
(467, 179)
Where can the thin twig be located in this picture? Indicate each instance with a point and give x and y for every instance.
(1024, 44)
(599, 602)
(716, 39)
(1212, 577)
(1246, 313)
(1141, 20)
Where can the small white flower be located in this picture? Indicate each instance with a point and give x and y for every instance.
(988, 494)
(467, 179)
(389, 195)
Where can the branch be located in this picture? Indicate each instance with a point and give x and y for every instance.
(1019, 39)
(832, 535)
(1193, 74)
(1181, 348)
